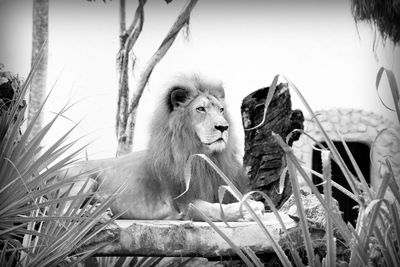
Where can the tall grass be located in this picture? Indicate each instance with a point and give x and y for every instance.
(375, 241)
(35, 227)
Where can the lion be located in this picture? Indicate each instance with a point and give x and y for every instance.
(191, 119)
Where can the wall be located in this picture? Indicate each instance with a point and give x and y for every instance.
(354, 125)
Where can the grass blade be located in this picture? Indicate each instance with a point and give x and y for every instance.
(330, 238)
(268, 100)
(384, 249)
(395, 221)
(358, 249)
(293, 250)
(301, 214)
(393, 87)
(337, 220)
(278, 250)
(356, 168)
(335, 153)
(334, 184)
(375, 204)
(253, 256)
(221, 193)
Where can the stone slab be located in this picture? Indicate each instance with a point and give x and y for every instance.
(188, 238)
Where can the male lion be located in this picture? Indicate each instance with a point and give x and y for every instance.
(190, 120)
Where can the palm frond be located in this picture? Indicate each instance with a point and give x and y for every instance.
(35, 227)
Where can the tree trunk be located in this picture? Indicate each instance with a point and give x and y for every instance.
(39, 52)
(264, 158)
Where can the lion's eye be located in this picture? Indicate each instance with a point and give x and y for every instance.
(221, 109)
(201, 109)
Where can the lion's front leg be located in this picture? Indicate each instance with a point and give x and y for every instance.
(231, 211)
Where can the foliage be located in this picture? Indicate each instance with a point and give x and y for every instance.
(384, 14)
(127, 261)
(8, 82)
(38, 226)
(376, 239)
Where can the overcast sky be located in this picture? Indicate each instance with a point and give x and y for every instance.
(244, 43)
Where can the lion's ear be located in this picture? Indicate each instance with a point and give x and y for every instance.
(219, 92)
(178, 97)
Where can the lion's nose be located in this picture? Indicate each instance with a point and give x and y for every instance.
(221, 128)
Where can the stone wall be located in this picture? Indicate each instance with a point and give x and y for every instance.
(380, 134)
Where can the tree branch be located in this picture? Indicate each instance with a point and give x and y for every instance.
(128, 39)
(136, 27)
(122, 22)
(126, 116)
(182, 20)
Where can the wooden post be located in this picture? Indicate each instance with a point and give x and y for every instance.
(263, 156)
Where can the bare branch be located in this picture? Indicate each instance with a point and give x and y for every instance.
(136, 27)
(125, 148)
(122, 22)
(181, 21)
(127, 43)
(126, 116)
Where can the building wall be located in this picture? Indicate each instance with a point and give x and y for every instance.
(355, 125)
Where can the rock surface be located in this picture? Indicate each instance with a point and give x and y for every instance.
(315, 212)
(355, 125)
(186, 238)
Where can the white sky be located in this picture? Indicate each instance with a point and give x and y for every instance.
(244, 43)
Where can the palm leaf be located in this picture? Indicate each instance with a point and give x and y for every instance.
(30, 207)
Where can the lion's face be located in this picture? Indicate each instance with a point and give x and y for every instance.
(209, 123)
(204, 111)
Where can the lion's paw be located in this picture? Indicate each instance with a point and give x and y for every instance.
(257, 207)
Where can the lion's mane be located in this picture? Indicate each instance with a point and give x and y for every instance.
(173, 140)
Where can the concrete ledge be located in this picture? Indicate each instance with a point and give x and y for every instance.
(186, 238)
